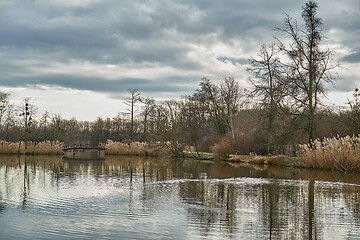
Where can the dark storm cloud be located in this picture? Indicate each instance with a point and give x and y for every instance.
(111, 33)
(114, 86)
(117, 86)
(139, 33)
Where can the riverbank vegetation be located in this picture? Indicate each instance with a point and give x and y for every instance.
(31, 148)
(336, 153)
(136, 148)
(281, 114)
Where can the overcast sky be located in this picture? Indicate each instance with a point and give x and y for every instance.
(79, 57)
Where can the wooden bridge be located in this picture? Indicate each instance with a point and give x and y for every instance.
(91, 153)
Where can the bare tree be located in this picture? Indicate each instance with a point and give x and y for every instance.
(193, 124)
(58, 128)
(4, 108)
(26, 113)
(131, 103)
(269, 87)
(353, 115)
(147, 110)
(209, 97)
(309, 65)
(44, 124)
(231, 95)
(173, 134)
(119, 126)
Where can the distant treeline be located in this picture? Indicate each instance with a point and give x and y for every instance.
(215, 115)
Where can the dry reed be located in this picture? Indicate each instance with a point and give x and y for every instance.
(135, 148)
(41, 148)
(337, 153)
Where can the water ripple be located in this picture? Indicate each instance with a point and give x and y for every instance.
(84, 205)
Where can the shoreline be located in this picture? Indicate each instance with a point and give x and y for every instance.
(277, 160)
(341, 161)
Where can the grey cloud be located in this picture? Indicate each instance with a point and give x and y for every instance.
(352, 58)
(111, 34)
(137, 32)
(107, 27)
(241, 61)
(170, 84)
(344, 19)
(346, 83)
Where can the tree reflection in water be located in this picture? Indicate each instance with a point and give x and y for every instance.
(218, 199)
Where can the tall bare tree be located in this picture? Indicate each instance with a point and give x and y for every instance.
(269, 88)
(131, 102)
(209, 97)
(309, 64)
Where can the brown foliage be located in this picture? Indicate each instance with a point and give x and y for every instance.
(222, 149)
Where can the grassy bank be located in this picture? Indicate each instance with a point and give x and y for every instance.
(198, 155)
(278, 160)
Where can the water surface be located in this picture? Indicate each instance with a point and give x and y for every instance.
(150, 198)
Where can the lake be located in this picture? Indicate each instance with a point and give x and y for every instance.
(154, 198)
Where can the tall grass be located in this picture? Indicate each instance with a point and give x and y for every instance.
(135, 148)
(40, 148)
(338, 153)
(111, 148)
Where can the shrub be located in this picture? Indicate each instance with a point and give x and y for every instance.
(222, 149)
